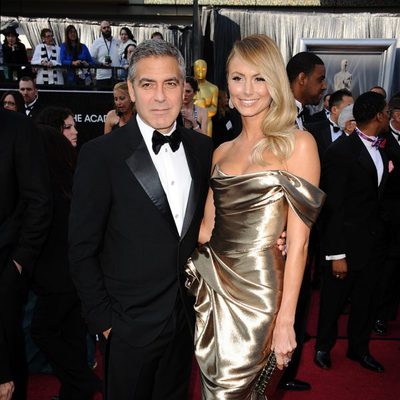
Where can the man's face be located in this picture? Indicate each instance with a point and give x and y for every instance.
(157, 91)
(384, 120)
(336, 110)
(314, 85)
(105, 29)
(28, 91)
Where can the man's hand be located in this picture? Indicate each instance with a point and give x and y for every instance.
(19, 267)
(339, 268)
(6, 390)
(281, 243)
(107, 333)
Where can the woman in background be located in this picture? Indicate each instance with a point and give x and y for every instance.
(263, 182)
(123, 111)
(57, 326)
(13, 101)
(126, 38)
(47, 54)
(123, 73)
(193, 117)
(73, 53)
(14, 52)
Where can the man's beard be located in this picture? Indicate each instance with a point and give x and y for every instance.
(107, 34)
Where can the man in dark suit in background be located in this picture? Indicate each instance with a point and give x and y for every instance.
(326, 131)
(25, 212)
(28, 90)
(137, 204)
(354, 173)
(306, 73)
(324, 113)
(389, 294)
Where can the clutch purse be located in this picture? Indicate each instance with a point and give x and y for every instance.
(269, 377)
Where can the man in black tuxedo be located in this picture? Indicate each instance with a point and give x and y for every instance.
(137, 204)
(326, 131)
(324, 113)
(306, 73)
(390, 283)
(25, 212)
(28, 90)
(354, 173)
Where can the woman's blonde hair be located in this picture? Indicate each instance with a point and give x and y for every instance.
(278, 125)
(123, 87)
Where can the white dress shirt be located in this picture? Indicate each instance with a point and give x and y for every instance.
(299, 121)
(334, 135)
(101, 48)
(173, 171)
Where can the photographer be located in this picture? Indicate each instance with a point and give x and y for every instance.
(104, 51)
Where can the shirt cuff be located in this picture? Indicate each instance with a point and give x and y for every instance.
(335, 257)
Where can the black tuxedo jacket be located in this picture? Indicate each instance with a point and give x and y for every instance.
(319, 116)
(351, 219)
(36, 110)
(321, 131)
(25, 211)
(126, 256)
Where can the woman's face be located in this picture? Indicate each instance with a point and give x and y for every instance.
(248, 89)
(69, 130)
(123, 35)
(188, 93)
(9, 103)
(11, 39)
(72, 35)
(48, 38)
(122, 101)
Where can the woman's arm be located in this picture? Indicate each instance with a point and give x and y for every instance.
(304, 163)
(111, 120)
(203, 119)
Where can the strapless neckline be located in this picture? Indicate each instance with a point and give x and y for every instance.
(274, 171)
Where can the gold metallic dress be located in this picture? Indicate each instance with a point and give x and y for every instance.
(237, 277)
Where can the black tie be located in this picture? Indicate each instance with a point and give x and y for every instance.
(159, 140)
(336, 129)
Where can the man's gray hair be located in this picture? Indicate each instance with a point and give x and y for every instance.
(155, 48)
(345, 115)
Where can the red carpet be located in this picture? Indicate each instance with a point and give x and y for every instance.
(347, 380)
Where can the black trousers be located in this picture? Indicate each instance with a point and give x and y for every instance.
(158, 371)
(361, 287)
(13, 291)
(59, 331)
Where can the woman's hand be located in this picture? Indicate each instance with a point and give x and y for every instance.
(283, 343)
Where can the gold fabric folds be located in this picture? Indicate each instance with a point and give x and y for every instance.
(237, 277)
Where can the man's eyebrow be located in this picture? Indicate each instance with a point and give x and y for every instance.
(149, 80)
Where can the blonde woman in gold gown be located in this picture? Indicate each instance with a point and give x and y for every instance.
(263, 182)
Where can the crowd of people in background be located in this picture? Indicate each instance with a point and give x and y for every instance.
(362, 198)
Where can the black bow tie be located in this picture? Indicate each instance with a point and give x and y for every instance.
(336, 129)
(159, 140)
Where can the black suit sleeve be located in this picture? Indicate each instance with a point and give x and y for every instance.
(34, 194)
(90, 205)
(334, 177)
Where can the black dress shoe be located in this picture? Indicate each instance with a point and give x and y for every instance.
(380, 327)
(295, 384)
(322, 359)
(367, 361)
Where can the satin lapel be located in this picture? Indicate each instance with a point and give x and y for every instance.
(145, 172)
(385, 174)
(194, 167)
(365, 159)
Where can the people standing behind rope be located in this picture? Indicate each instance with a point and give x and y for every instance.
(193, 116)
(126, 38)
(73, 53)
(14, 52)
(123, 73)
(47, 54)
(123, 108)
(104, 51)
(57, 325)
(28, 90)
(13, 101)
